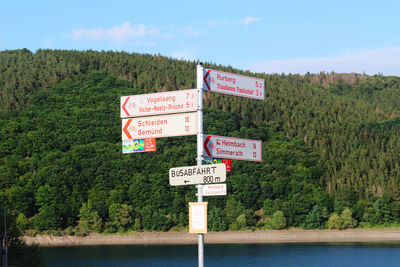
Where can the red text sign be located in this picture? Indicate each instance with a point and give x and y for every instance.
(214, 190)
(232, 148)
(159, 126)
(159, 103)
(233, 84)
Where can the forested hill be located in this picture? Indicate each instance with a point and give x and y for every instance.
(330, 146)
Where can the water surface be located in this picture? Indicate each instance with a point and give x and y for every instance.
(299, 254)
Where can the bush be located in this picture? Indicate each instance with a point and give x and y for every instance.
(264, 222)
(69, 231)
(334, 222)
(137, 226)
(56, 233)
(347, 219)
(22, 222)
(278, 220)
(241, 221)
(122, 217)
(315, 218)
(89, 218)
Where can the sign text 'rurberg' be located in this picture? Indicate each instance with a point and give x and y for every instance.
(203, 174)
(159, 126)
(233, 84)
(232, 148)
(159, 103)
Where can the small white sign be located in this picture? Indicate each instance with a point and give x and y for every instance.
(203, 174)
(159, 126)
(232, 148)
(214, 190)
(233, 84)
(198, 217)
(159, 103)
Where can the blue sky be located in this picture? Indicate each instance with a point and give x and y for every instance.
(262, 36)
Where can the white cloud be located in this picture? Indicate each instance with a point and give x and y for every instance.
(249, 20)
(370, 61)
(191, 32)
(119, 34)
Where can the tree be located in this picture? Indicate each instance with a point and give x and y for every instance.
(315, 218)
(347, 219)
(241, 221)
(334, 222)
(122, 217)
(216, 219)
(278, 220)
(89, 218)
(19, 254)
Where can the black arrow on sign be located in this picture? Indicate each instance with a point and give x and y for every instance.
(186, 181)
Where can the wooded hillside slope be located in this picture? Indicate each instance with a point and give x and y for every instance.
(330, 146)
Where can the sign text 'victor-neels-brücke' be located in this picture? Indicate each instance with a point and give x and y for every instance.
(159, 103)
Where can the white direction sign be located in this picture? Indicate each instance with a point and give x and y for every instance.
(159, 103)
(232, 148)
(214, 189)
(159, 126)
(233, 84)
(203, 174)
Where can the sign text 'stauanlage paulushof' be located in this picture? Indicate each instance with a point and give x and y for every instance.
(233, 84)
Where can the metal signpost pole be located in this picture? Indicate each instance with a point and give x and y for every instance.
(200, 150)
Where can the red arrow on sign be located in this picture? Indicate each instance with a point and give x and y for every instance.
(123, 107)
(205, 79)
(205, 145)
(125, 129)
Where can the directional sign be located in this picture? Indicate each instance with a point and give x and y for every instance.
(159, 126)
(203, 174)
(139, 145)
(233, 84)
(214, 190)
(232, 148)
(159, 103)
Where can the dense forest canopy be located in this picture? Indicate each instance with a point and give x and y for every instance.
(330, 146)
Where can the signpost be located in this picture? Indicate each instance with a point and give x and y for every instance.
(232, 148)
(159, 126)
(159, 103)
(188, 122)
(204, 174)
(233, 84)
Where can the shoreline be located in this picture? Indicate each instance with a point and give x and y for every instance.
(228, 237)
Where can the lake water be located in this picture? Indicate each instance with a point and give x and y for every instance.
(304, 254)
